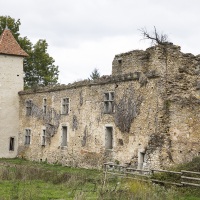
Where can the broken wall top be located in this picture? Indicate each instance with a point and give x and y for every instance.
(178, 71)
(152, 58)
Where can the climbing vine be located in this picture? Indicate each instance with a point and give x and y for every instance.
(127, 109)
(51, 119)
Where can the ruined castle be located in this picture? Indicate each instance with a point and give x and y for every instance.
(145, 114)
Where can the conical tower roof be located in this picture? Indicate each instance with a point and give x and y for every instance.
(9, 46)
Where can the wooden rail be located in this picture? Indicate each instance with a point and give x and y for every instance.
(192, 184)
(190, 172)
(186, 177)
(160, 170)
(190, 178)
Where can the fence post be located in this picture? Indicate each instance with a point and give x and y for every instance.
(105, 175)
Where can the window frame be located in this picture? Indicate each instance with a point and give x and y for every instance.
(64, 143)
(27, 140)
(109, 102)
(29, 104)
(65, 106)
(109, 137)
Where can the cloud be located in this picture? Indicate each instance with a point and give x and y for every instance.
(84, 34)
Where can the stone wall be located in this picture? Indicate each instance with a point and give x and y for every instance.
(11, 81)
(154, 95)
(87, 122)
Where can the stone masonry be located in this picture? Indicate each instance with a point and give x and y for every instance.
(146, 114)
(11, 82)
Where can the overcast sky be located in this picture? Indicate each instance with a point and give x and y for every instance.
(87, 34)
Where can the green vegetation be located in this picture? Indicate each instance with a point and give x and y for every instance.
(39, 66)
(95, 74)
(187, 192)
(194, 165)
(22, 180)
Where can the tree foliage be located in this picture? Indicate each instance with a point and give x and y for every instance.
(95, 74)
(155, 37)
(39, 66)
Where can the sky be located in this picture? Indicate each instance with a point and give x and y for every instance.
(87, 34)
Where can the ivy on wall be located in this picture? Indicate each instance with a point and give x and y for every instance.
(51, 119)
(127, 109)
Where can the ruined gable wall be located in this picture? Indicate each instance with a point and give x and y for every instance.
(183, 101)
(152, 60)
(176, 137)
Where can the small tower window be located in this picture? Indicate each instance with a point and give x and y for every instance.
(119, 60)
(12, 143)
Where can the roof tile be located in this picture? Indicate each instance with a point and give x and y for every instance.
(9, 46)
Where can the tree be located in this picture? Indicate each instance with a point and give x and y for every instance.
(95, 74)
(39, 66)
(155, 37)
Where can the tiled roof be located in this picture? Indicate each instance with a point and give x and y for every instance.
(9, 46)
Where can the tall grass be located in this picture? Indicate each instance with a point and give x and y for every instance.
(22, 180)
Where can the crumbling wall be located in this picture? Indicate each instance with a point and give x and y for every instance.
(86, 121)
(182, 105)
(133, 61)
(154, 121)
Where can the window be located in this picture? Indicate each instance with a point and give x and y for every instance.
(27, 137)
(43, 137)
(141, 159)
(108, 102)
(109, 138)
(11, 145)
(64, 136)
(65, 106)
(45, 106)
(28, 107)
(119, 60)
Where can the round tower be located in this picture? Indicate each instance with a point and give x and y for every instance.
(11, 82)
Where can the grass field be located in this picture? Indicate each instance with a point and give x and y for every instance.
(21, 179)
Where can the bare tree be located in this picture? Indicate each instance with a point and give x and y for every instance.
(155, 37)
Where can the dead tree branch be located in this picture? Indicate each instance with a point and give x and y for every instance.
(155, 37)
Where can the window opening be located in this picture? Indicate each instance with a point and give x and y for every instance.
(65, 106)
(64, 136)
(108, 102)
(43, 137)
(109, 138)
(27, 136)
(141, 160)
(11, 145)
(45, 106)
(119, 60)
(29, 107)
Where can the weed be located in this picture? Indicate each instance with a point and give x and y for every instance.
(22, 180)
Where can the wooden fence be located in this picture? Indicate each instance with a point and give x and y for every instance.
(183, 178)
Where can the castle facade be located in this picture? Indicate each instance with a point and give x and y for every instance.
(146, 114)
